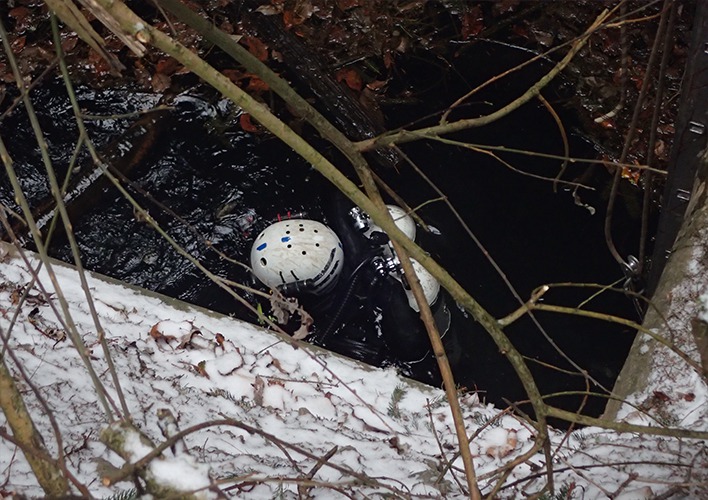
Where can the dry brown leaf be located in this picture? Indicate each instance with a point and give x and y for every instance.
(350, 77)
(276, 363)
(18, 44)
(72, 16)
(256, 47)
(502, 450)
(348, 4)
(167, 66)
(19, 13)
(258, 388)
(160, 82)
(305, 324)
(472, 22)
(256, 85)
(270, 10)
(157, 335)
(186, 341)
(246, 124)
(201, 369)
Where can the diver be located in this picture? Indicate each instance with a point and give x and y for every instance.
(347, 276)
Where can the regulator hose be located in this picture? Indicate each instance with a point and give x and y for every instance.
(344, 303)
(298, 287)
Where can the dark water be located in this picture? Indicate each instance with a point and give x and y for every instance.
(226, 185)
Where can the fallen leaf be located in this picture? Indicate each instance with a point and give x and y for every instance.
(276, 363)
(18, 44)
(15, 296)
(305, 323)
(234, 75)
(507, 446)
(160, 82)
(289, 19)
(186, 341)
(283, 307)
(201, 369)
(227, 27)
(99, 63)
(377, 84)
(256, 47)
(472, 22)
(246, 124)
(396, 444)
(68, 44)
(270, 10)
(304, 10)
(608, 124)
(631, 174)
(521, 30)
(351, 77)
(258, 388)
(661, 396)
(660, 149)
(19, 13)
(167, 66)
(347, 4)
(255, 84)
(389, 59)
(157, 335)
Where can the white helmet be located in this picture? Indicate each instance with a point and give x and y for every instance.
(298, 251)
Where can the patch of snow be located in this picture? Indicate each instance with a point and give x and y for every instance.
(134, 446)
(281, 409)
(703, 309)
(644, 493)
(181, 473)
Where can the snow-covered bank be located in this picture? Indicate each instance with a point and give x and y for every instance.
(380, 432)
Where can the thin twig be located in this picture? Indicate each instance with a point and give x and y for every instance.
(624, 68)
(40, 454)
(447, 464)
(539, 154)
(59, 198)
(130, 468)
(630, 134)
(20, 197)
(651, 144)
(564, 138)
(508, 165)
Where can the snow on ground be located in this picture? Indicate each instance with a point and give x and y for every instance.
(179, 367)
